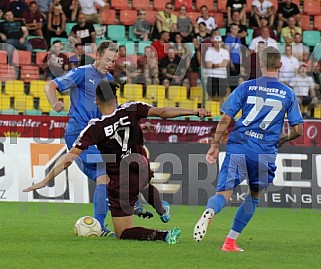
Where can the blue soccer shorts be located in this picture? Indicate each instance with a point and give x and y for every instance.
(237, 167)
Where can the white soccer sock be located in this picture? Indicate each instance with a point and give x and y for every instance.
(233, 235)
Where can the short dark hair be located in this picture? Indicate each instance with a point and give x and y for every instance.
(106, 90)
(270, 57)
(107, 44)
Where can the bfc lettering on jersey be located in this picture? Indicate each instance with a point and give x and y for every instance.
(111, 129)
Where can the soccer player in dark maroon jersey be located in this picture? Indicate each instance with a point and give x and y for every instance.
(118, 136)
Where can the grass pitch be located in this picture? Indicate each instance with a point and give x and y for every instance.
(40, 235)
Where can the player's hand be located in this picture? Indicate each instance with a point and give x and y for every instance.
(36, 186)
(58, 106)
(148, 127)
(212, 154)
(202, 113)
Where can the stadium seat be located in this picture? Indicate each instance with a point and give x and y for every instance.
(297, 2)
(196, 93)
(120, 4)
(69, 26)
(37, 88)
(128, 17)
(281, 47)
(155, 94)
(133, 92)
(311, 7)
(177, 93)
(248, 6)
(159, 4)
(44, 105)
(3, 57)
(40, 56)
(33, 112)
(221, 6)
(108, 16)
(208, 3)
(219, 19)
(193, 15)
(187, 3)
(249, 36)
(142, 45)
(58, 114)
(14, 88)
(22, 57)
(305, 22)
(168, 103)
(214, 107)
(141, 4)
(317, 22)
(9, 111)
(222, 31)
(130, 47)
(29, 72)
(150, 16)
(116, 32)
(310, 38)
(131, 34)
(100, 31)
(23, 102)
(7, 72)
(5, 102)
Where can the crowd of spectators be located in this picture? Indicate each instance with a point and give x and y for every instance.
(180, 46)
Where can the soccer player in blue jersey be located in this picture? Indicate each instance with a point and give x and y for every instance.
(82, 82)
(252, 145)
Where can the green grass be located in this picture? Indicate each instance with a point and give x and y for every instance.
(40, 235)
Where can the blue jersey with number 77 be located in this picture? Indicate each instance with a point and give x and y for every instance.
(264, 103)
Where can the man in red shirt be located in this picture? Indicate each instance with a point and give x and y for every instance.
(159, 45)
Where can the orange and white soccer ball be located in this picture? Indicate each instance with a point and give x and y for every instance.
(87, 227)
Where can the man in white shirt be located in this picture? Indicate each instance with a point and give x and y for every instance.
(304, 88)
(206, 18)
(289, 67)
(265, 37)
(216, 60)
(263, 8)
(300, 51)
(88, 8)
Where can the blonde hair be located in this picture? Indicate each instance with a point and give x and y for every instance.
(270, 57)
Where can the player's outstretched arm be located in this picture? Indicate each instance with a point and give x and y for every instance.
(62, 164)
(50, 90)
(171, 112)
(295, 132)
(212, 154)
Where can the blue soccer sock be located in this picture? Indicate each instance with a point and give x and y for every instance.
(216, 202)
(244, 214)
(101, 203)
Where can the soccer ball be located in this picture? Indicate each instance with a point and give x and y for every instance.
(87, 227)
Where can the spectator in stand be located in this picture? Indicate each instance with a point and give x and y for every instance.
(172, 67)
(217, 59)
(159, 45)
(56, 61)
(44, 7)
(83, 32)
(56, 22)
(166, 20)
(15, 33)
(255, 70)
(289, 31)
(201, 35)
(80, 58)
(286, 10)
(151, 71)
(233, 45)
(119, 70)
(184, 24)
(137, 73)
(4, 5)
(33, 19)
(236, 5)
(182, 49)
(264, 23)
(265, 37)
(289, 67)
(70, 8)
(18, 8)
(205, 17)
(317, 77)
(304, 88)
(88, 7)
(236, 19)
(142, 26)
(300, 51)
(262, 8)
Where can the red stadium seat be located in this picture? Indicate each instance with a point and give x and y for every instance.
(193, 16)
(108, 16)
(208, 3)
(3, 57)
(141, 4)
(22, 57)
(7, 72)
(248, 6)
(159, 4)
(221, 6)
(40, 56)
(187, 3)
(305, 22)
(311, 7)
(219, 19)
(120, 4)
(297, 2)
(128, 17)
(29, 73)
(150, 16)
(317, 22)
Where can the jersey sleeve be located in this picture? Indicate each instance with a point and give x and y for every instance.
(139, 108)
(89, 136)
(71, 78)
(233, 104)
(294, 114)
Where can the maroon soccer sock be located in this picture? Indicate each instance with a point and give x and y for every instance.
(141, 233)
(152, 196)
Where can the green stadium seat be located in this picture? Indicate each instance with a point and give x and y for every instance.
(142, 45)
(69, 26)
(249, 36)
(58, 114)
(130, 47)
(9, 112)
(116, 32)
(311, 38)
(131, 34)
(33, 112)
